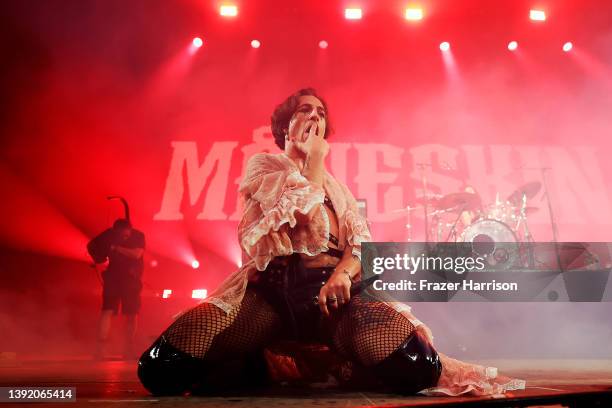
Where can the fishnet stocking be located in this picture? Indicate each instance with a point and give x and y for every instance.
(369, 331)
(209, 333)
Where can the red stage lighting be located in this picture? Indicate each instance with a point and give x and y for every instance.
(323, 44)
(195, 264)
(444, 46)
(154, 263)
(537, 15)
(197, 42)
(166, 293)
(228, 10)
(512, 45)
(199, 294)
(414, 14)
(353, 13)
(255, 44)
(567, 47)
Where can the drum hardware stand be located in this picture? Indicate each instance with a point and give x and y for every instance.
(453, 230)
(552, 218)
(526, 233)
(409, 227)
(553, 224)
(435, 218)
(409, 221)
(421, 167)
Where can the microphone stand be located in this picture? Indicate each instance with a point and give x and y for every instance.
(553, 224)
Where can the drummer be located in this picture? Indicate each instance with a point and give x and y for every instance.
(469, 216)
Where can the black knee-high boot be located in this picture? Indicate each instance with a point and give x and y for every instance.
(165, 370)
(413, 367)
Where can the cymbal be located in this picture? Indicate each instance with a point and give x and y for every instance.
(459, 202)
(529, 190)
(407, 209)
(432, 199)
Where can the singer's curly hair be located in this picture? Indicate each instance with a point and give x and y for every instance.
(283, 113)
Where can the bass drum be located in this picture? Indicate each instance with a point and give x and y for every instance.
(495, 242)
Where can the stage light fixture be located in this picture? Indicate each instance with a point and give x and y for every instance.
(228, 10)
(199, 294)
(444, 46)
(195, 264)
(537, 15)
(197, 42)
(512, 45)
(323, 44)
(154, 263)
(414, 14)
(567, 47)
(166, 293)
(255, 44)
(353, 13)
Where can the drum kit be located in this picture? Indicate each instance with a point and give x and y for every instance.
(459, 217)
(462, 217)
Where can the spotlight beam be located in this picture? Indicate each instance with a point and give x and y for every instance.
(353, 13)
(413, 14)
(228, 10)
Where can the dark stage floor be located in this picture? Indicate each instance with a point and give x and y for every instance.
(114, 383)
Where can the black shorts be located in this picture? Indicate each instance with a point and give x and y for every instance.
(291, 289)
(124, 292)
